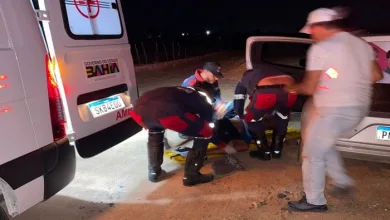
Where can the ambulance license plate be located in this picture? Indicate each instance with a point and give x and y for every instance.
(106, 106)
(383, 133)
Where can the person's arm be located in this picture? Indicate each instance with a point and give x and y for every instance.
(217, 92)
(314, 69)
(189, 82)
(309, 83)
(239, 98)
(377, 73)
(202, 104)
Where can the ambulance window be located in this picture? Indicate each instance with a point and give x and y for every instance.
(287, 54)
(92, 19)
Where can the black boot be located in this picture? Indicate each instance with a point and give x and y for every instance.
(155, 155)
(263, 151)
(194, 163)
(277, 145)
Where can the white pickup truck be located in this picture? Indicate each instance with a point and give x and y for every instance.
(371, 139)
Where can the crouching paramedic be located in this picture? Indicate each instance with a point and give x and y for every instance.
(185, 110)
(265, 87)
(207, 79)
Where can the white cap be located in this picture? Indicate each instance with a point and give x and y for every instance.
(320, 15)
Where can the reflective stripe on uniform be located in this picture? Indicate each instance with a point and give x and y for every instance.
(156, 132)
(282, 116)
(239, 96)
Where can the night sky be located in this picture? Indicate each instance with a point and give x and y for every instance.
(169, 17)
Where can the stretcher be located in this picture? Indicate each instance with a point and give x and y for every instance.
(178, 154)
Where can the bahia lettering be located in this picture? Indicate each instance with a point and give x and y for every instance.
(101, 67)
(123, 113)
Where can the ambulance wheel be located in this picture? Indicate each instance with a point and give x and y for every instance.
(3, 213)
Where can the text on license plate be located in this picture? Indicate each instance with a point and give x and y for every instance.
(106, 106)
(383, 133)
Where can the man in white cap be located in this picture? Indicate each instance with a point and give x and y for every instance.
(340, 71)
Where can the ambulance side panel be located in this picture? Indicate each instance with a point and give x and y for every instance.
(86, 78)
(29, 159)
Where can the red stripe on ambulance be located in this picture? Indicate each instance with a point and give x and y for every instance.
(124, 113)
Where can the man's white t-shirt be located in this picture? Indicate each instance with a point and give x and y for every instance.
(346, 63)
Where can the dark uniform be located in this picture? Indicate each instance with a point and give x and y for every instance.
(212, 88)
(265, 100)
(224, 130)
(183, 110)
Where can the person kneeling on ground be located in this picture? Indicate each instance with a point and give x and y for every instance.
(207, 79)
(185, 110)
(265, 87)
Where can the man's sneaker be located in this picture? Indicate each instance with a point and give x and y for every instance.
(303, 206)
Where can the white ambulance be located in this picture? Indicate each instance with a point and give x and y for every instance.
(66, 76)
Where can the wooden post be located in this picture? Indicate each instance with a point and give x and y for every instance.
(173, 50)
(136, 51)
(178, 51)
(143, 48)
(156, 54)
(166, 53)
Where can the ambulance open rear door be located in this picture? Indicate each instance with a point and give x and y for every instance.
(91, 60)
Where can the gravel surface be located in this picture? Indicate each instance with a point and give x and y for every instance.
(114, 186)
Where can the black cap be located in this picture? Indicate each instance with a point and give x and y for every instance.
(214, 68)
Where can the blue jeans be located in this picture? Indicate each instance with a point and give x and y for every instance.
(230, 111)
(325, 126)
(230, 108)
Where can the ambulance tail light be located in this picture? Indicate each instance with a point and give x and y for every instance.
(3, 77)
(55, 102)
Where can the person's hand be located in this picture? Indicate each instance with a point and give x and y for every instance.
(221, 110)
(291, 88)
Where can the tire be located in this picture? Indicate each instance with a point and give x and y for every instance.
(3, 213)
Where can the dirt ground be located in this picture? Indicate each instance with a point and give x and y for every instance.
(114, 186)
(262, 192)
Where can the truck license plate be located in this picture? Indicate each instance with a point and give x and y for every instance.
(383, 133)
(106, 106)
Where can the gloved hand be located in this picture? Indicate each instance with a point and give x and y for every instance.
(221, 110)
(290, 88)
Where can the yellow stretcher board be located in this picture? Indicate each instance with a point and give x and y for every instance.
(292, 134)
